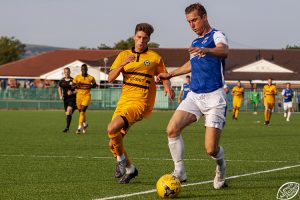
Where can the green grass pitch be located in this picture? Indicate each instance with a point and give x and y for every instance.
(38, 161)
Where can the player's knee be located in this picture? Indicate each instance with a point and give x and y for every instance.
(211, 151)
(171, 130)
(110, 145)
(112, 130)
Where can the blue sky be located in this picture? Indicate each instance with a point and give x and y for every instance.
(267, 24)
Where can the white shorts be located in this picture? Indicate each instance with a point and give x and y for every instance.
(210, 105)
(287, 105)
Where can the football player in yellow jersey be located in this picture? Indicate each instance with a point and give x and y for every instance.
(238, 95)
(83, 83)
(269, 92)
(138, 66)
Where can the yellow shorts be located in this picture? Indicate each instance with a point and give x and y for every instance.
(83, 100)
(269, 104)
(130, 111)
(237, 102)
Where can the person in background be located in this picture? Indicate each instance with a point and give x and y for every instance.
(287, 95)
(68, 94)
(83, 84)
(238, 95)
(298, 101)
(226, 89)
(185, 88)
(254, 97)
(269, 92)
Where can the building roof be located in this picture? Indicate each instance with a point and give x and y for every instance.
(41, 64)
(288, 60)
(262, 63)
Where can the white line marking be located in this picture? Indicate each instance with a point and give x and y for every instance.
(165, 159)
(200, 183)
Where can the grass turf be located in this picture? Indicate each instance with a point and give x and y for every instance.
(38, 161)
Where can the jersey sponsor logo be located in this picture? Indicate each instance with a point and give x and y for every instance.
(288, 191)
(146, 62)
(205, 40)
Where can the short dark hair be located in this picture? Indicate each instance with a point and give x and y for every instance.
(84, 65)
(196, 6)
(187, 76)
(145, 27)
(67, 68)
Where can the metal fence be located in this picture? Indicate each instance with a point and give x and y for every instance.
(107, 98)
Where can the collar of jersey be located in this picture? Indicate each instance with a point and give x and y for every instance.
(133, 51)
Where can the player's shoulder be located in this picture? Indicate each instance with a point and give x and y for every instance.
(90, 76)
(77, 77)
(153, 53)
(125, 52)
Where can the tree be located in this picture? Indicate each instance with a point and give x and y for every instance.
(86, 48)
(11, 49)
(122, 45)
(292, 47)
(153, 45)
(103, 46)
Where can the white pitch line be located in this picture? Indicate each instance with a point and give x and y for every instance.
(199, 183)
(165, 159)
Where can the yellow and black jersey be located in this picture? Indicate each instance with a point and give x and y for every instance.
(83, 84)
(138, 76)
(238, 91)
(269, 92)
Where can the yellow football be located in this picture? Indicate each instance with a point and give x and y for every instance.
(168, 186)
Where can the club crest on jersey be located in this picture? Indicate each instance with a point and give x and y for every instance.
(146, 62)
(205, 40)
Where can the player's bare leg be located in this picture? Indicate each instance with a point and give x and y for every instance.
(179, 121)
(212, 137)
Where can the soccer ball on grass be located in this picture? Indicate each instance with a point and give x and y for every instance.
(168, 186)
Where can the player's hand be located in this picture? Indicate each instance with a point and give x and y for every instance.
(168, 90)
(198, 51)
(128, 59)
(69, 92)
(163, 76)
(61, 97)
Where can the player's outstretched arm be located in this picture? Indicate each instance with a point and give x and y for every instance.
(168, 89)
(184, 69)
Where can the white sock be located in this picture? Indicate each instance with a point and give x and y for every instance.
(176, 147)
(120, 158)
(284, 114)
(289, 115)
(84, 123)
(130, 169)
(79, 127)
(219, 158)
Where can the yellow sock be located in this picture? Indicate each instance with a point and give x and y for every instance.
(236, 113)
(81, 118)
(117, 144)
(266, 115)
(269, 117)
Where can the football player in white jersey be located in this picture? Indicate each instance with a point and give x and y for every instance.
(287, 95)
(207, 96)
